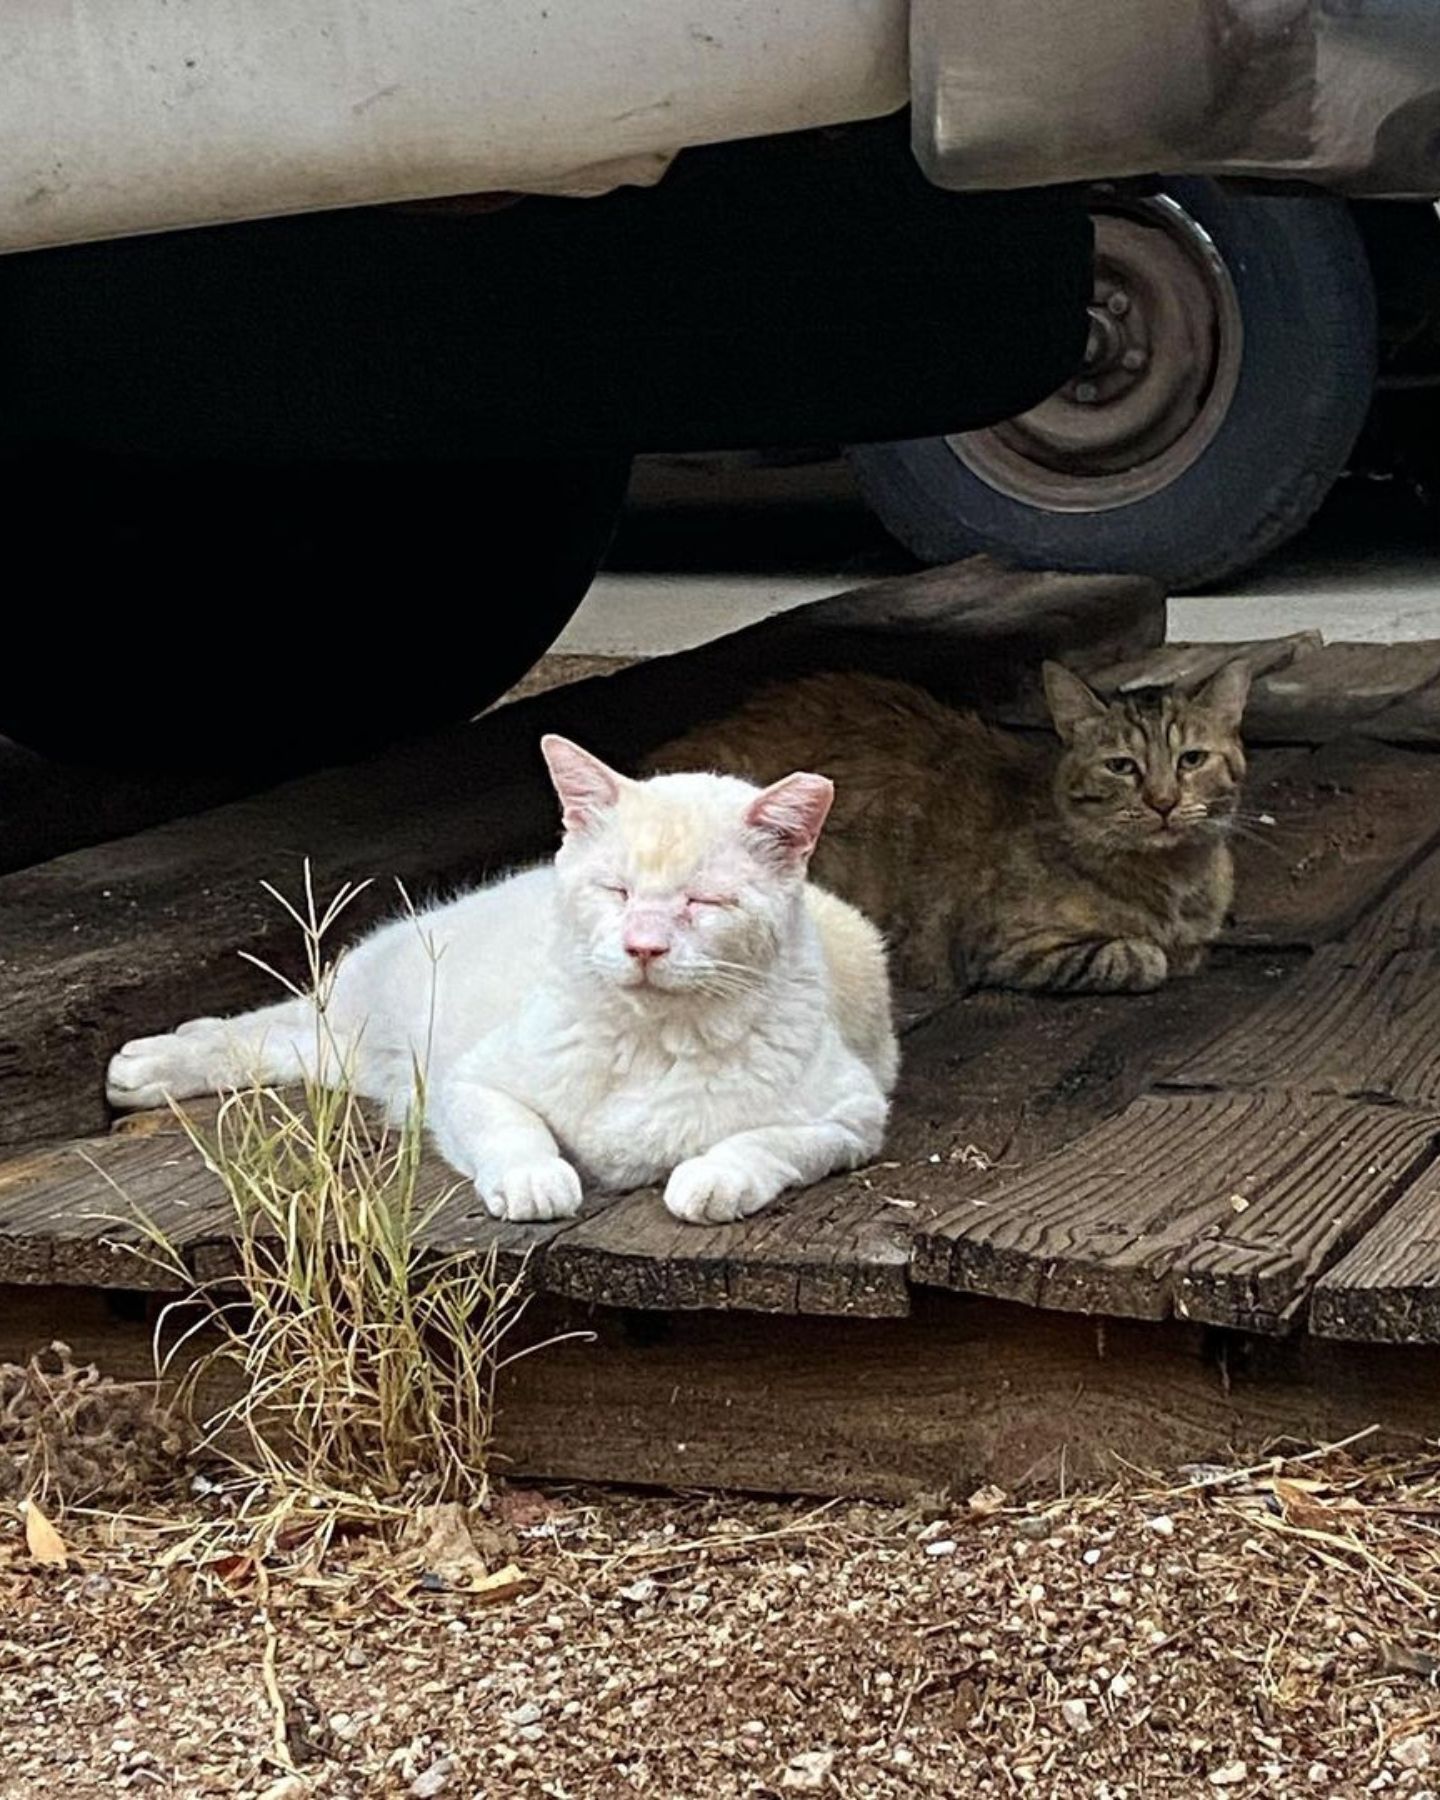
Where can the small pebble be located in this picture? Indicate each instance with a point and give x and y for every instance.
(1090, 1558)
(808, 1771)
(1162, 1525)
(530, 1712)
(1075, 1713)
(434, 1780)
(1411, 1752)
(941, 1547)
(1229, 1774)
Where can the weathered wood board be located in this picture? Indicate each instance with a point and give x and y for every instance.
(1323, 838)
(1387, 1290)
(1222, 1208)
(992, 1078)
(1375, 690)
(964, 1392)
(1359, 1022)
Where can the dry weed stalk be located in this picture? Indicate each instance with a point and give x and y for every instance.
(363, 1367)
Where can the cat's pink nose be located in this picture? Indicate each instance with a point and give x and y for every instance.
(645, 950)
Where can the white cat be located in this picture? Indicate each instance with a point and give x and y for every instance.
(669, 999)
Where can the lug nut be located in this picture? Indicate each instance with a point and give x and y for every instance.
(1134, 360)
(1086, 392)
(1118, 303)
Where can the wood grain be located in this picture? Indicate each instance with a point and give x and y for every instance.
(1387, 1290)
(1362, 1021)
(967, 1391)
(1345, 824)
(1372, 689)
(1217, 1207)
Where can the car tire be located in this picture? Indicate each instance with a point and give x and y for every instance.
(1229, 372)
(267, 618)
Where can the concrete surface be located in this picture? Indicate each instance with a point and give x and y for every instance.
(707, 549)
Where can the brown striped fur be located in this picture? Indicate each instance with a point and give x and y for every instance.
(1098, 864)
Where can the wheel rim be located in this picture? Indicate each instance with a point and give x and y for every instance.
(1161, 367)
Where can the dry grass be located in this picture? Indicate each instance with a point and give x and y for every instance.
(362, 1367)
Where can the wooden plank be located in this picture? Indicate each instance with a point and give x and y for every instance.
(1361, 1021)
(1387, 1290)
(967, 1391)
(991, 1078)
(131, 936)
(834, 1249)
(1218, 1207)
(1189, 664)
(1347, 822)
(1372, 689)
(995, 1077)
(1304, 691)
(1413, 719)
(63, 1208)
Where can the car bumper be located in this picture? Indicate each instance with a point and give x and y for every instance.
(1343, 93)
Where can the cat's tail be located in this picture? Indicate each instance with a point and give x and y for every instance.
(271, 1047)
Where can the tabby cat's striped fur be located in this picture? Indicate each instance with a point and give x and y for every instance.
(1095, 865)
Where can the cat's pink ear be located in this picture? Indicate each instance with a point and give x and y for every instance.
(790, 814)
(1225, 693)
(585, 785)
(1071, 702)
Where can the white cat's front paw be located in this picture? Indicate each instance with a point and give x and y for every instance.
(546, 1189)
(151, 1070)
(716, 1190)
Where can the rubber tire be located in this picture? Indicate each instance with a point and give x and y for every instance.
(1307, 300)
(274, 618)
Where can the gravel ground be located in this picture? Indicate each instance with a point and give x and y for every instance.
(1259, 1635)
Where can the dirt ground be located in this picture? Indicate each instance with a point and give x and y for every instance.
(1257, 1635)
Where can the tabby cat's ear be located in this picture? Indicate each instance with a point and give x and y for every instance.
(1224, 695)
(1071, 702)
(585, 785)
(790, 813)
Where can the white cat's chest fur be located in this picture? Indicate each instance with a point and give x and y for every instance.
(628, 1100)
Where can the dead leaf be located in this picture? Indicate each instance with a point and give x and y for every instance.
(508, 1583)
(444, 1546)
(1301, 1507)
(986, 1501)
(234, 1570)
(44, 1542)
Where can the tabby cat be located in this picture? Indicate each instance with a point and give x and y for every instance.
(1098, 865)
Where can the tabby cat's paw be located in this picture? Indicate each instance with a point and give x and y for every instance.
(1130, 966)
(545, 1189)
(715, 1190)
(151, 1070)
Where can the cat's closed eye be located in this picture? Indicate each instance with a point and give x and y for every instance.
(1122, 765)
(708, 900)
(614, 887)
(1191, 759)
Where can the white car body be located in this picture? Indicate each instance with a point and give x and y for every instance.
(127, 116)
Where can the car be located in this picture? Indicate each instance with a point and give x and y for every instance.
(329, 329)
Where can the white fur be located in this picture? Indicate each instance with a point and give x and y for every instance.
(667, 999)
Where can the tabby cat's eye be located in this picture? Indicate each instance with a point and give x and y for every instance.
(1191, 759)
(1122, 765)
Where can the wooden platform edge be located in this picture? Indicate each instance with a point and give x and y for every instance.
(966, 1391)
